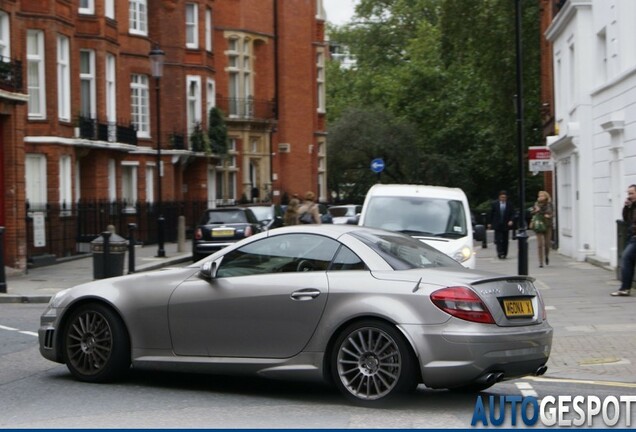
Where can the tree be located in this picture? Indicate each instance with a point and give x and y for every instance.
(217, 131)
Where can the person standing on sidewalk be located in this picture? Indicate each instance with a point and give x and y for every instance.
(628, 260)
(544, 210)
(501, 220)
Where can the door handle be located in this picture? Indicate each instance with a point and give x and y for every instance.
(305, 294)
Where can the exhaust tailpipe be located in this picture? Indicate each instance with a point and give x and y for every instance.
(541, 370)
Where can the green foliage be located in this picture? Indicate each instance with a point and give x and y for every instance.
(217, 131)
(199, 140)
(443, 70)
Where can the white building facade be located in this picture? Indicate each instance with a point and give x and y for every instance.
(594, 150)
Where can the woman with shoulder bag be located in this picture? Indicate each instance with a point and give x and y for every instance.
(541, 223)
(308, 211)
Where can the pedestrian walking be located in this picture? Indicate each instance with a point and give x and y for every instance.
(502, 221)
(541, 224)
(628, 259)
(291, 212)
(308, 211)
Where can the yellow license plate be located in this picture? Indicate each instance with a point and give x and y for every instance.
(222, 233)
(518, 308)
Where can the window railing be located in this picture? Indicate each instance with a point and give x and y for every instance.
(10, 74)
(92, 129)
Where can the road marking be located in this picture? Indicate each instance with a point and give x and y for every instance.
(30, 333)
(526, 389)
(577, 381)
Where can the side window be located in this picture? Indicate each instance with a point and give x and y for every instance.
(280, 254)
(347, 260)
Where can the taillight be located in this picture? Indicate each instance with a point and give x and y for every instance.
(544, 314)
(248, 231)
(198, 234)
(462, 303)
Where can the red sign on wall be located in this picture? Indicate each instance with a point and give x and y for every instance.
(539, 159)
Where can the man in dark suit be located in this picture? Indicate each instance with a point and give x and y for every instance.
(501, 220)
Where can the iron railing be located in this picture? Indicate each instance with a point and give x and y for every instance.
(10, 74)
(91, 129)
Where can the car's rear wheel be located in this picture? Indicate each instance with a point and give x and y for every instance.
(372, 362)
(96, 344)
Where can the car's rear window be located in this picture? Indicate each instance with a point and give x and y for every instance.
(262, 213)
(223, 217)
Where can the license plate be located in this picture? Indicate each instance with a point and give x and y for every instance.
(222, 233)
(521, 308)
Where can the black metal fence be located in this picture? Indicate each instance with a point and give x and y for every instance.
(67, 229)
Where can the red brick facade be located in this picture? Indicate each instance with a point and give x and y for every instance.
(262, 70)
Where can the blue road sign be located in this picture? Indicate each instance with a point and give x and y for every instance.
(377, 165)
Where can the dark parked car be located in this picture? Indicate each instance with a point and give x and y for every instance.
(269, 215)
(222, 227)
(325, 217)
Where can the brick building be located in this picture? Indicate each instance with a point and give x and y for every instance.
(82, 116)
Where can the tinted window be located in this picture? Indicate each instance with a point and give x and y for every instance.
(417, 215)
(280, 254)
(402, 252)
(263, 213)
(223, 217)
(347, 260)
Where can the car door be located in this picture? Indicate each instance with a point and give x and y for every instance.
(265, 301)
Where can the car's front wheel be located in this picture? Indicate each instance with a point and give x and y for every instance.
(96, 344)
(372, 362)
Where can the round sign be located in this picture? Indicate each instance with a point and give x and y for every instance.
(377, 165)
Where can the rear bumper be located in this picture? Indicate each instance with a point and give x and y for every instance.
(209, 248)
(451, 357)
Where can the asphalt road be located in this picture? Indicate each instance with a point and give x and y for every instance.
(36, 393)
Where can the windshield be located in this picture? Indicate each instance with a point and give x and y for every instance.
(403, 252)
(223, 217)
(417, 216)
(262, 213)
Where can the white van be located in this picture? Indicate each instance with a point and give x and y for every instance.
(438, 216)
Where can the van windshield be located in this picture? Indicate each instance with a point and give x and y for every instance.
(417, 216)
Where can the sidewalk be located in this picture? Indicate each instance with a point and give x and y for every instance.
(594, 333)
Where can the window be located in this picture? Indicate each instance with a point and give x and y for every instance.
(129, 185)
(240, 77)
(193, 98)
(211, 95)
(63, 79)
(347, 260)
(208, 30)
(320, 80)
(109, 7)
(66, 182)
(111, 97)
(138, 17)
(35, 74)
(87, 84)
(192, 26)
(140, 105)
(150, 183)
(35, 176)
(5, 38)
(87, 7)
(78, 183)
(280, 254)
(320, 10)
(112, 180)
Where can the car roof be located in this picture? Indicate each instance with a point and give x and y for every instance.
(416, 190)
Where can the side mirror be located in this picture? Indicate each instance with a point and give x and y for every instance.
(479, 233)
(208, 270)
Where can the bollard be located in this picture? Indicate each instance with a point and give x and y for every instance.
(131, 247)
(3, 278)
(106, 235)
(484, 242)
(181, 235)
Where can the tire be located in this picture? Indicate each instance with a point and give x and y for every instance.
(96, 345)
(372, 363)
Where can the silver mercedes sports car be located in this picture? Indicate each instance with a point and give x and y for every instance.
(374, 312)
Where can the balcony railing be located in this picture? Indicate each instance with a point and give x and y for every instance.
(247, 108)
(10, 74)
(92, 129)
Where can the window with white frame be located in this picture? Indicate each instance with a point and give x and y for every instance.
(109, 9)
(138, 17)
(192, 25)
(320, 79)
(5, 37)
(63, 78)
(140, 104)
(66, 183)
(150, 183)
(208, 30)
(129, 184)
(193, 101)
(35, 74)
(111, 96)
(35, 177)
(240, 76)
(88, 107)
(320, 10)
(112, 180)
(210, 96)
(87, 7)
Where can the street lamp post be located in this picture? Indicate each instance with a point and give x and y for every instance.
(156, 62)
(522, 234)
